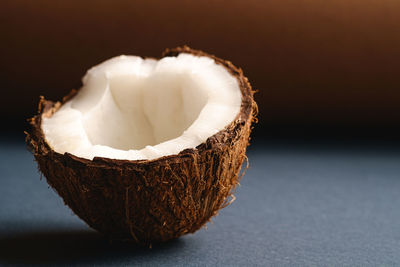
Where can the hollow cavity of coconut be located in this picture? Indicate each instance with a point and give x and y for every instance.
(147, 150)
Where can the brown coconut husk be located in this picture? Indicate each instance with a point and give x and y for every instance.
(149, 201)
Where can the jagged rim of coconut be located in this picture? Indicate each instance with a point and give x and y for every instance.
(220, 140)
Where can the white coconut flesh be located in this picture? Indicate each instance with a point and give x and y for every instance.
(141, 109)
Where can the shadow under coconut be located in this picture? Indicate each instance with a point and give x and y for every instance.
(74, 246)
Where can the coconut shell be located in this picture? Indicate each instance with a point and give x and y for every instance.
(149, 201)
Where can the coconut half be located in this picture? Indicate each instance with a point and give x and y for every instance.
(147, 150)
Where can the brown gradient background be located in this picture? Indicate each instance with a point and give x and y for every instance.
(314, 62)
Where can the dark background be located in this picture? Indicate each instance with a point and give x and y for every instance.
(321, 67)
(323, 184)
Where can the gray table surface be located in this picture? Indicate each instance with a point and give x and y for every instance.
(299, 204)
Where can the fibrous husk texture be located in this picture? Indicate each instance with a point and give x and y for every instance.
(150, 201)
